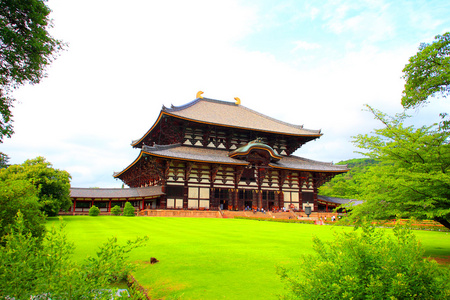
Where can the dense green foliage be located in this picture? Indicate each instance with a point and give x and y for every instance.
(52, 185)
(116, 210)
(428, 72)
(94, 211)
(349, 185)
(128, 210)
(26, 49)
(48, 269)
(412, 179)
(369, 265)
(20, 195)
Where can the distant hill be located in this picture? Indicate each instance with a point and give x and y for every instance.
(348, 185)
(358, 163)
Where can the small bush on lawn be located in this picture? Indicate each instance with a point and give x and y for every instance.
(116, 210)
(367, 266)
(128, 210)
(94, 211)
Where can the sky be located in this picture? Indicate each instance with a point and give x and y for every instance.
(311, 63)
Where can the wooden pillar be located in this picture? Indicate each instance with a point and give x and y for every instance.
(231, 200)
(237, 178)
(187, 173)
(280, 196)
(185, 195)
(74, 206)
(316, 202)
(109, 205)
(239, 204)
(282, 175)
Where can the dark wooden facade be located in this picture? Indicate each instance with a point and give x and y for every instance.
(212, 154)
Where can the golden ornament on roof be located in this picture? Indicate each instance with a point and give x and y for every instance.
(199, 94)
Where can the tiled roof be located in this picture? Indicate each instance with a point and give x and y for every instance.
(233, 115)
(178, 151)
(339, 200)
(212, 155)
(300, 163)
(116, 193)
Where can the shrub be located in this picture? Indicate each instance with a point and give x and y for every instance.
(116, 210)
(20, 195)
(94, 211)
(367, 266)
(128, 210)
(48, 268)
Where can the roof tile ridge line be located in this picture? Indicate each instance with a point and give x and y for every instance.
(97, 188)
(281, 122)
(317, 161)
(193, 102)
(184, 106)
(161, 147)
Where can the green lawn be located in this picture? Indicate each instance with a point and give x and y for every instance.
(213, 258)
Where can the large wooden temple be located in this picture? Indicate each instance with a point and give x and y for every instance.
(211, 154)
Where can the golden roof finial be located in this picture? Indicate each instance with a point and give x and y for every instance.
(199, 94)
(238, 101)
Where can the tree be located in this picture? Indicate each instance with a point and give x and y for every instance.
(26, 48)
(412, 179)
(20, 195)
(368, 265)
(428, 72)
(3, 160)
(47, 268)
(53, 185)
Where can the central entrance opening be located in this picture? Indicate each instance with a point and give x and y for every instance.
(246, 197)
(222, 197)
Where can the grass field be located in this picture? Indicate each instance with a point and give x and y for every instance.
(213, 258)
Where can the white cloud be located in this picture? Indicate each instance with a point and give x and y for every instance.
(302, 45)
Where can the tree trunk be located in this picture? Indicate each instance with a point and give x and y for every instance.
(443, 221)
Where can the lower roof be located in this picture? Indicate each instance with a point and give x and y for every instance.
(217, 156)
(339, 200)
(116, 193)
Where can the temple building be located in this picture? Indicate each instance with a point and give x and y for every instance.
(210, 154)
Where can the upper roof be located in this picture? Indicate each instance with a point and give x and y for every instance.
(229, 114)
(116, 192)
(235, 115)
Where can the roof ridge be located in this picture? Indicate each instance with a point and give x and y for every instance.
(193, 102)
(109, 188)
(160, 147)
(321, 162)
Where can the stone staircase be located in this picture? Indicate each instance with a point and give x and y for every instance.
(180, 213)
